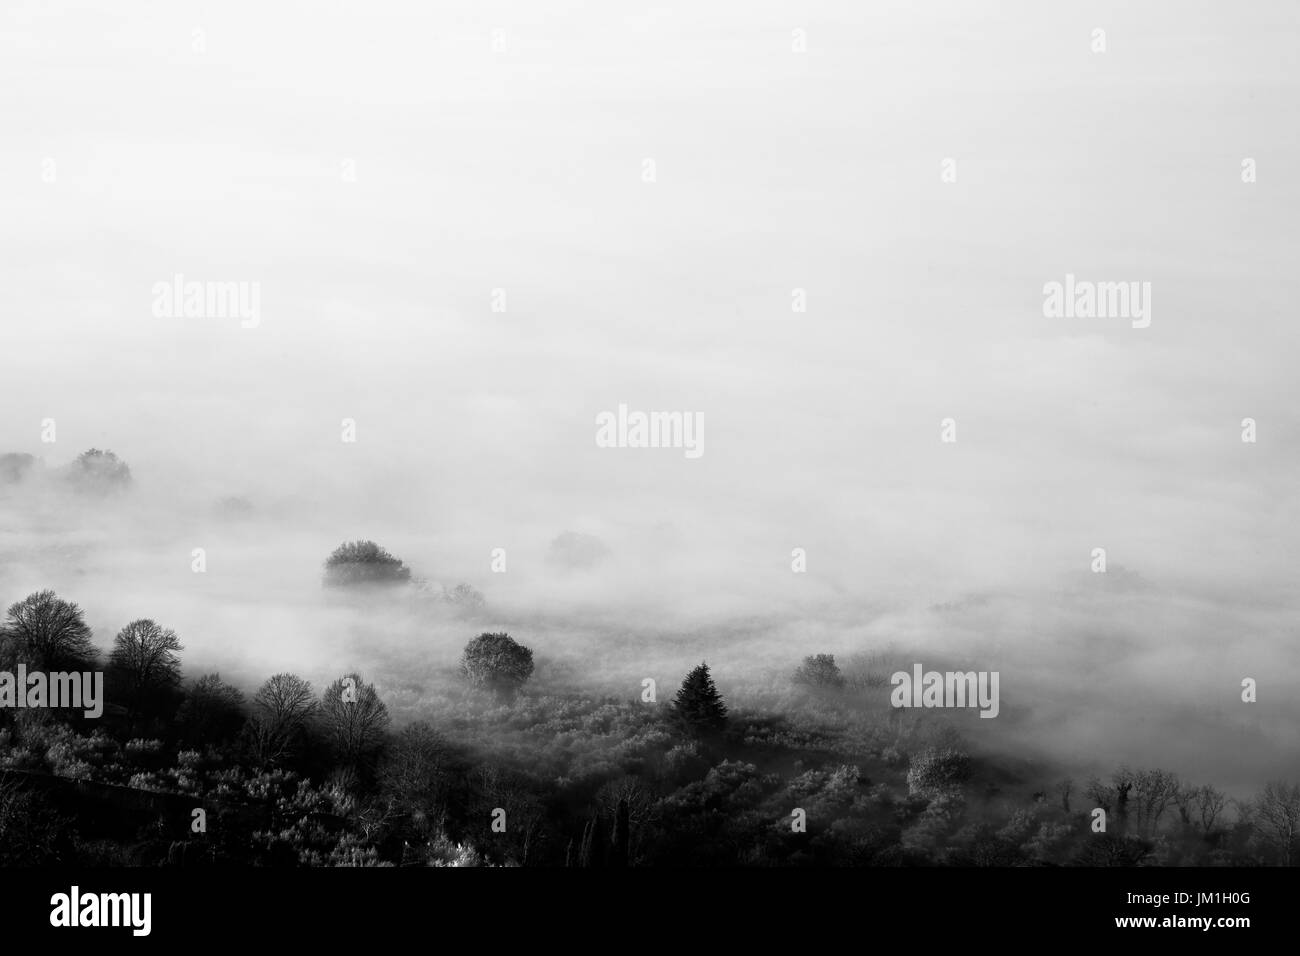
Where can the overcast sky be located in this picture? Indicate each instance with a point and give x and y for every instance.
(223, 155)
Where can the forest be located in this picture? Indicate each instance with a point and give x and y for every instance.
(815, 769)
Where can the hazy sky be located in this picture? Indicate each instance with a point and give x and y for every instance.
(521, 168)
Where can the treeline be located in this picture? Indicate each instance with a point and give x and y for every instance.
(291, 774)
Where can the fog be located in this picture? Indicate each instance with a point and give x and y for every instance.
(521, 169)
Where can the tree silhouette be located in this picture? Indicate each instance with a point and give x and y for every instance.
(99, 472)
(212, 712)
(143, 668)
(418, 774)
(282, 709)
(354, 720)
(497, 663)
(360, 563)
(47, 633)
(1277, 818)
(698, 705)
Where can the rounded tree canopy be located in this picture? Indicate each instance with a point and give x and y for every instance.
(99, 472)
(496, 662)
(359, 563)
(45, 632)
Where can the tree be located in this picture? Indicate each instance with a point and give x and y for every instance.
(935, 771)
(354, 720)
(99, 472)
(631, 805)
(143, 668)
(465, 599)
(1153, 791)
(819, 670)
(1209, 804)
(698, 705)
(493, 787)
(497, 663)
(418, 775)
(282, 709)
(212, 712)
(1277, 817)
(362, 563)
(576, 552)
(47, 633)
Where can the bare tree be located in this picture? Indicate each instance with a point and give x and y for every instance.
(418, 774)
(1153, 792)
(1209, 804)
(497, 788)
(1277, 817)
(143, 666)
(627, 800)
(47, 633)
(354, 719)
(1100, 794)
(282, 709)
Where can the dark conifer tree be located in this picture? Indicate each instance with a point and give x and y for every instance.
(698, 705)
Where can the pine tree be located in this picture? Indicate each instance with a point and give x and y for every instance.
(698, 705)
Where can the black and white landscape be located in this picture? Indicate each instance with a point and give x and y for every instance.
(614, 435)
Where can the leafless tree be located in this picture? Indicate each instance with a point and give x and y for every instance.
(1153, 792)
(1100, 794)
(282, 709)
(354, 718)
(638, 802)
(47, 633)
(418, 773)
(144, 664)
(1277, 817)
(495, 787)
(1209, 804)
